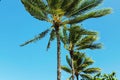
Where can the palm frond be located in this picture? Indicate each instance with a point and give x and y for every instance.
(64, 36)
(87, 32)
(79, 58)
(85, 6)
(68, 61)
(86, 76)
(35, 10)
(95, 46)
(72, 7)
(74, 34)
(92, 70)
(36, 38)
(66, 69)
(54, 4)
(90, 46)
(66, 4)
(88, 61)
(87, 40)
(52, 37)
(93, 14)
(38, 3)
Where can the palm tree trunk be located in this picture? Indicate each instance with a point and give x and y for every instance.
(58, 53)
(77, 77)
(71, 54)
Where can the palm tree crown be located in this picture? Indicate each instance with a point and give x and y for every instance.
(81, 66)
(78, 38)
(64, 11)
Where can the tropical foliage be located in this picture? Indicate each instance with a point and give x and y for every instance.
(62, 12)
(78, 38)
(100, 76)
(69, 11)
(81, 66)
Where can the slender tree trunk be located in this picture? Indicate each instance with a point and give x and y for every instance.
(58, 53)
(77, 77)
(71, 54)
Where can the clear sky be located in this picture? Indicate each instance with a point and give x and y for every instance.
(33, 62)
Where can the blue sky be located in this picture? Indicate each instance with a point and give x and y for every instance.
(33, 62)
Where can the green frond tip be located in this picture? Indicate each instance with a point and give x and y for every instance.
(102, 12)
(52, 37)
(88, 61)
(92, 70)
(87, 40)
(38, 37)
(54, 4)
(96, 46)
(93, 14)
(35, 10)
(90, 46)
(86, 76)
(68, 61)
(67, 69)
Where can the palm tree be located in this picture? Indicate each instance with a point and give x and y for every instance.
(76, 38)
(60, 13)
(81, 66)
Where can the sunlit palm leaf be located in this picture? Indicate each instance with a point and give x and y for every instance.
(88, 61)
(93, 14)
(66, 4)
(85, 6)
(52, 37)
(86, 76)
(90, 46)
(92, 70)
(68, 61)
(65, 68)
(35, 10)
(95, 46)
(87, 40)
(72, 7)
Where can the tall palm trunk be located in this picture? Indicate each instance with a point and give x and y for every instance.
(72, 65)
(58, 52)
(77, 77)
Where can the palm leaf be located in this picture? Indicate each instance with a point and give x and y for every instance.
(35, 10)
(88, 61)
(86, 76)
(65, 68)
(93, 14)
(72, 7)
(64, 36)
(85, 6)
(74, 34)
(68, 61)
(36, 38)
(54, 4)
(66, 4)
(39, 3)
(52, 37)
(87, 40)
(87, 32)
(92, 70)
(95, 46)
(90, 46)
